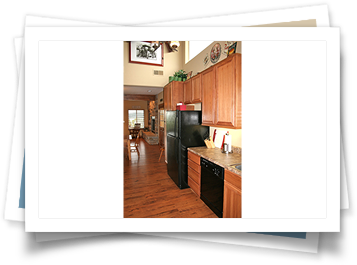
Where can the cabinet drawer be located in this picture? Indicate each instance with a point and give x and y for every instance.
(194, 166)
(194, 175)
(194, 186)
(194, 158)
(233, 179)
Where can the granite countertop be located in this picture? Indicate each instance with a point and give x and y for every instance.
(216, 156)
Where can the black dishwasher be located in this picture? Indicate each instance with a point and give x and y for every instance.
(212, 183)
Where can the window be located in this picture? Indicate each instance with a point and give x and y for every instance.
(195, 47)
(136, 116)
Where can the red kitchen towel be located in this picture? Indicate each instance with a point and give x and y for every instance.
(223, 141)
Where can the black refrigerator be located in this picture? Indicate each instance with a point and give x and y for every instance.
(183, 130)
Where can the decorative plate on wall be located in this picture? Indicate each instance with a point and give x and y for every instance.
(205, 60)
(215, 53)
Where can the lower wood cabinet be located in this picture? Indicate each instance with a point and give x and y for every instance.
(232, 193)
(232, 196)
(194, 172)
(232, 202)
(194, 186)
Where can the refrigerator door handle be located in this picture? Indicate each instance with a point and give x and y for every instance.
(175, 125)
(176, 150)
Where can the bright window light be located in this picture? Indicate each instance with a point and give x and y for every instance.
(195, 47)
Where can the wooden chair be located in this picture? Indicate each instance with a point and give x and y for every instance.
(133, 147)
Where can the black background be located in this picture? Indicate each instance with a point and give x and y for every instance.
(136, 247)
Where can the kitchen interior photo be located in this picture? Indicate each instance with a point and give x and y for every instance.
(182, 129)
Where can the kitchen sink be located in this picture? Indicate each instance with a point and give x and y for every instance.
(237, 166)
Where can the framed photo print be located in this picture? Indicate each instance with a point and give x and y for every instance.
(144, 52)
(232, 48)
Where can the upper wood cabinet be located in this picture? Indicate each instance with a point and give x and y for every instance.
(196, 89)
(167, 97)
(192, 90)
(221, 94)
(225, 93)
(219, 90)
(187, 91)
(173, 94)
(208, 96)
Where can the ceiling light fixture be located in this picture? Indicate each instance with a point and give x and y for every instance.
(174, 45)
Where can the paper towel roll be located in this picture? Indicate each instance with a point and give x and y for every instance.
(228, 141)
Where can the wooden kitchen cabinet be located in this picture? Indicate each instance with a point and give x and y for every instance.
(173, 94)
(196, 95)
(192, 90)
(228, 92)
(194, 172)
(221, 94)
(232, 195)
(167, 97)
(187, 92)
(208, 96)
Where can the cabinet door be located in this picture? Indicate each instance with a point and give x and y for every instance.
(176, 94)
(196, 89)
(167, 97)
(208, 96)
(226, 91)
(238, 114)
(187, 91)
(232, 202)
(234, 179)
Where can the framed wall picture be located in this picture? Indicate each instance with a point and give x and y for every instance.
(143, 52)
(232, 48)
(226, 47)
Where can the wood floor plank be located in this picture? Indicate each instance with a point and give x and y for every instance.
(149, 192)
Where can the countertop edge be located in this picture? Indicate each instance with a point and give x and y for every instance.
(235, 171)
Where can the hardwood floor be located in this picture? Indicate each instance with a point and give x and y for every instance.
(150, 193)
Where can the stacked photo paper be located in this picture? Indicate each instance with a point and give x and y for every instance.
(15, 200)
